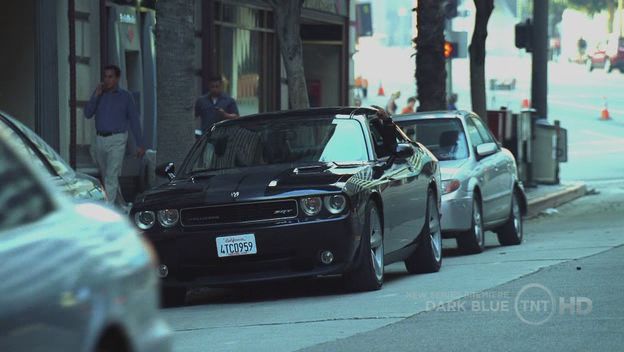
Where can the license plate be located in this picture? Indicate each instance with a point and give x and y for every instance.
(230, 246)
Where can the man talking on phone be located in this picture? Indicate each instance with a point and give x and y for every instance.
(215, 106)
(115, 111)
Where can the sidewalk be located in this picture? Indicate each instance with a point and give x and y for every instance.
(544, 197)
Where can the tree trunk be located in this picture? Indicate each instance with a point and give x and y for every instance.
(430, 64)
(175, 45)
(288, 24)
(477, 56)
(611, 13)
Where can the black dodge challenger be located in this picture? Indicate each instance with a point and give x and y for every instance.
(289, 194)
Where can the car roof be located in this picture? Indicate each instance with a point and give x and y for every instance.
(329, 112)
(431, 115)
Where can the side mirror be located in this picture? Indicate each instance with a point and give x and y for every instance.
(486, 149)
(166, 170)
(403, 151)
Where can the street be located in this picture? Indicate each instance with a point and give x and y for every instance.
(295, 315)
(575, 97)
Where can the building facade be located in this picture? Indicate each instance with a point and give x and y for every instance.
(59, 52)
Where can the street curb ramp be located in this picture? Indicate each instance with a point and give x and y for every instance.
(555, 199)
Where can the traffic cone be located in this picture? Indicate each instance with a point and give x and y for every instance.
(526, 103)
(604, 114)
(380, 91)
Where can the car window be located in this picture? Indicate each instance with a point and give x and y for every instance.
(486, 136)
(444, 137)
(247, 143)
(22, 144)
(58, 163)
(475, 136)
(384, 148)
(22, 199)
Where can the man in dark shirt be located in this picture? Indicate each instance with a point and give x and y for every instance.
(215, 106)
(114, 111)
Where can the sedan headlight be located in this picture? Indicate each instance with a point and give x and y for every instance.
(168, 217)
(335, 204)
(145, 219)
(311, 206)
(450, 186)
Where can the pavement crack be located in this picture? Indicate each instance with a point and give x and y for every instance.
(312, 321)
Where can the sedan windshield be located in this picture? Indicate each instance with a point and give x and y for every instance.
(444, 137)
(294, 141)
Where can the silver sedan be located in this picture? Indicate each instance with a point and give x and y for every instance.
(76, 276)
(481, 190)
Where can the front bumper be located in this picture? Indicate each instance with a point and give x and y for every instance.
(456, 214)
(284, 251)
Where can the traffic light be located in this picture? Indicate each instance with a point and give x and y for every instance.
(450, 50)
(524, 36)
(450, 9)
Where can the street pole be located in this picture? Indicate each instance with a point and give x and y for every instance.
(539, 77)
(621, 16)
(449, 63)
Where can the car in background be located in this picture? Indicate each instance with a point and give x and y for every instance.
(314, 192)
(481, 189)
(608, 55)
(76, 276)
(78, 185)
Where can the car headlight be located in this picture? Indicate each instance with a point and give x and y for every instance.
(145, 219)
(311, 206)
(450, 186)
(168, 217)
(335, 204)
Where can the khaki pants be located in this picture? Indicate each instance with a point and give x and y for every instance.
(109, 157)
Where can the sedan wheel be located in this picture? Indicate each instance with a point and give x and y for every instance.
(368, 271)
(512, 232)
(427, 258)
(473, 240)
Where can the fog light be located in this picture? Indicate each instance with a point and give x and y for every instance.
(327, 257)
(163, 271)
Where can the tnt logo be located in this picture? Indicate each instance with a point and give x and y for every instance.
(535, 304)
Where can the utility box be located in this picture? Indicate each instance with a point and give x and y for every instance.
(514, 131)
(550, 148)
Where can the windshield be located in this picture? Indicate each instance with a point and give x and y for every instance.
(255, 143)
(59, 165)
(445, 138)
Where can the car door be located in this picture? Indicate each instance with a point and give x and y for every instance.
(402, 192)
(501, 176)
(483, 171)
(35, 312)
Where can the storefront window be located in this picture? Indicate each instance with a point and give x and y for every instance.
(242, 39)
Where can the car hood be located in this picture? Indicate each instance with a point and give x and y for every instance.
(449, 168)
(250, 184)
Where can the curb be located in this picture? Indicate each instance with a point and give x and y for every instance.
(553, 200)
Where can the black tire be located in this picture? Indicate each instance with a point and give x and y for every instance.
(172, 296)
(368, 270)
(473, 240)
(427, 258)
(512, 232)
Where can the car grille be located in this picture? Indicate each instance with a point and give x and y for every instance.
(239, 213)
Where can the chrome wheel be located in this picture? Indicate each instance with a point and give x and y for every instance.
(477, 224)
(517, 217)
(376, 244)
(435, 230)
